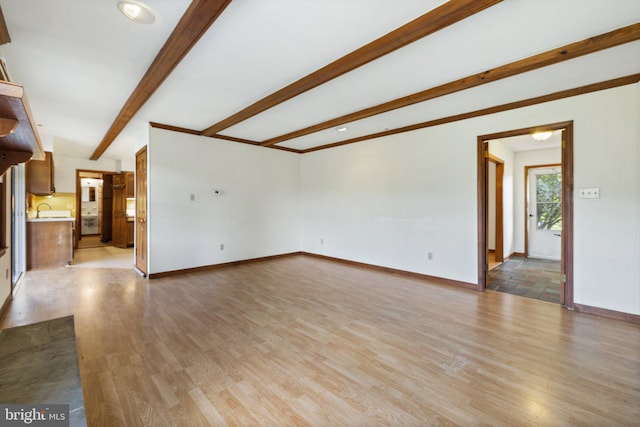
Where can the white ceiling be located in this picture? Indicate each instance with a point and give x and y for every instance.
(79, 61)
(527, 143)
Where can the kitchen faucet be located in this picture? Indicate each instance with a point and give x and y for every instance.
(38, 209)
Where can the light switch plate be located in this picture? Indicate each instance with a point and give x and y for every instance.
(590, 193)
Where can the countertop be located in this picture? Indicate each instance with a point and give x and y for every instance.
(49, 219)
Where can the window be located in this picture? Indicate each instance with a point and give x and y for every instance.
(549, 201)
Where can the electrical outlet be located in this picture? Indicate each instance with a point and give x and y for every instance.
(322, 241)
(430, 256)
(192, 197)
(222, 246)
(589, 193)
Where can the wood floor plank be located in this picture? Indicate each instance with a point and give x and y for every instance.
(301, 341)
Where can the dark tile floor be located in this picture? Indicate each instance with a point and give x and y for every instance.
(39, 366)
(528, 277)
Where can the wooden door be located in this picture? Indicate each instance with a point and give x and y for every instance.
(129, 185)
(545, 213)
(107, 207)
(141, 211)
(119, 217)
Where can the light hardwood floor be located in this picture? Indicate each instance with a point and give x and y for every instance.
(304, 341)
(104, 257)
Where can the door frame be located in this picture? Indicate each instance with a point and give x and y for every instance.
(78, 227)
(499, 208)
(526, 201)
(567, 202)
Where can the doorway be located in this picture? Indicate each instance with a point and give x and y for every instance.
(547, 221)
(93, 212)
(543, 212)
(104, 219)
(495, 211)
(106, 209)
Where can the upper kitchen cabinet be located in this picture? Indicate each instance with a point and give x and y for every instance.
(19, 140)
(39, 175)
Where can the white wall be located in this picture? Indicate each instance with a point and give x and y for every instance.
(607, 242)
(392, 200)
(65, 169)
(522, 159)
(257, 213)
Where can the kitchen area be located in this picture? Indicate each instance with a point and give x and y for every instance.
(100, 213)
(50, 225)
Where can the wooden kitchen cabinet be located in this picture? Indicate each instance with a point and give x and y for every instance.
(130, 231)
(39, 176)
(106, 213)
(49, 242)
(129, 185)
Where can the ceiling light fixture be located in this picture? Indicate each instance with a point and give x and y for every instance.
(137, 12)
(342, 129)
(542, 136)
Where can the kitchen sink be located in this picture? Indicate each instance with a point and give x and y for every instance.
(54, 214)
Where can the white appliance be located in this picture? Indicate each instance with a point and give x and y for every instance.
(90, 224)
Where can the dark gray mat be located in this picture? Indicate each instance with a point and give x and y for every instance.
(39, 365)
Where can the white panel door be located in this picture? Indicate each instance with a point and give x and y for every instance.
(545, 212)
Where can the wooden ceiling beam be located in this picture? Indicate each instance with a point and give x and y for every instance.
(217, 136)
(443, 16)
(197, 132)
(195, 22)
(595, 87)
(554, 56)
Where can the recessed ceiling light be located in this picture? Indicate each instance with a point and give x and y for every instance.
(342, 129)
(137, 12)
(542, 136)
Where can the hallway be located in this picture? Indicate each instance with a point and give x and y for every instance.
(91, 241)
(527, 277)
(103, 257)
